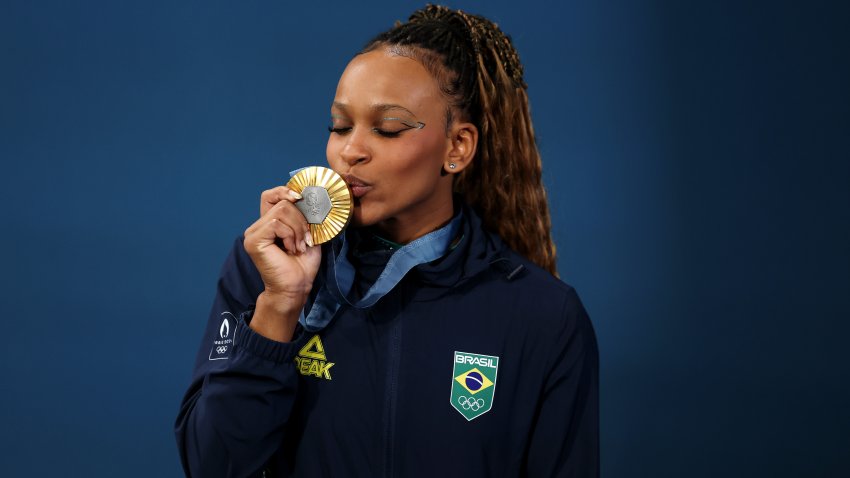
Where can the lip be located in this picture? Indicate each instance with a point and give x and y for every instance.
(357, 185)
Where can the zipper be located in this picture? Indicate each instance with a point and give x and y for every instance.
(391, 398)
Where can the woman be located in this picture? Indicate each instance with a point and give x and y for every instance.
(455, 351)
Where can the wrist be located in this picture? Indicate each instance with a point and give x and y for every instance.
(280, 304)
(275, 316)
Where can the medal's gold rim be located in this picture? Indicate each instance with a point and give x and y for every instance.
(341, 200)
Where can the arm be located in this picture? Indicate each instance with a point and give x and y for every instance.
(234, 414)
(565, 440)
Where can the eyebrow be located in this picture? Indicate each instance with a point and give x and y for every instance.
(378, 108)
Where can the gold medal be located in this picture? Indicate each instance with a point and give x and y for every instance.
(325, 201)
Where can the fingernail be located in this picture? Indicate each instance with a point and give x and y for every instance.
(294, 195)
(308, 238)
(302, 246)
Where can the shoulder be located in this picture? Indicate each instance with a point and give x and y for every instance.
(555, 314)
(535, 311)
(537, 288)
(516, 284)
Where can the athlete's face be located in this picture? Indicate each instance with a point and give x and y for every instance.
(379, 144)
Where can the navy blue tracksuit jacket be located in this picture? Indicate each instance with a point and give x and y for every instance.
(376, 393)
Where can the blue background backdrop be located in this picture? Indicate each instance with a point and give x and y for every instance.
(696, 155)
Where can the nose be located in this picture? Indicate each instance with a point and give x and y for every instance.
(355, 149)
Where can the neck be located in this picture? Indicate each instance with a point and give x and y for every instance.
(403, 230)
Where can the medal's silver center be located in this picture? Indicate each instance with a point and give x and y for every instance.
(315, 205)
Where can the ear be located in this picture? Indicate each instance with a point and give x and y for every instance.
(464, 142)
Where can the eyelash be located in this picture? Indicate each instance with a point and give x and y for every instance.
(385, 134)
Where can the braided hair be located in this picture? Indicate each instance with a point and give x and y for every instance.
(479, 72)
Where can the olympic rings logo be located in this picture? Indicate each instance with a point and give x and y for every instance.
(470, 403)
(221, 349)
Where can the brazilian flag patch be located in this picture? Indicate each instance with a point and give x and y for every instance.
(473, 383)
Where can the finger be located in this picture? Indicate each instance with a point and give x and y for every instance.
(270, 231)
(285, 234)
(250, 230)
(271, 212)
(292, 216)
(288, 214)
(273, 196)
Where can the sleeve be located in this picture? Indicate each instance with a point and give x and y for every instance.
(234, 415)
(565, 439)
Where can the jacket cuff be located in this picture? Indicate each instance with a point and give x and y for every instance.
(266, 348)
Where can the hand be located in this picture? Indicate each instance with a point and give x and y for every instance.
(280, 245)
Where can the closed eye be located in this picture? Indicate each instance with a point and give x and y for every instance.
(394, 134)
(389, 134)
(381, 132)
(338, 130)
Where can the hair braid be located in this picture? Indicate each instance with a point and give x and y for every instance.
(480, 72)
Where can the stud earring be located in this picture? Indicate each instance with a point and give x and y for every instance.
(452, 165)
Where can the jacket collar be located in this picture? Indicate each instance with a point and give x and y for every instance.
(479, 251)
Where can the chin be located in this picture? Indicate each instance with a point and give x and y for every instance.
(357, 219)
(366, 216)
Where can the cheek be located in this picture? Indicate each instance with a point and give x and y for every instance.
(423, 155)
(330, 149)
(332, 152)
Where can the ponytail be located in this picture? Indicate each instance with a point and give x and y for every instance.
(480, 73)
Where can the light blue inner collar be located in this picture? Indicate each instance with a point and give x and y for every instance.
(336, 289)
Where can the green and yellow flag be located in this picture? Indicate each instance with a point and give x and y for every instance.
(473, 383)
